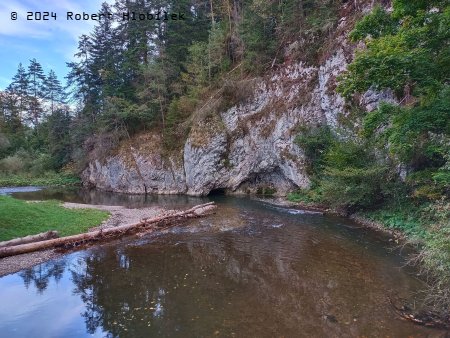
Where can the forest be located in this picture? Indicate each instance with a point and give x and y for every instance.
(133, 77)
(136, 76)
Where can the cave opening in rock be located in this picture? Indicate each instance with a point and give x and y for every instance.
(216, 192)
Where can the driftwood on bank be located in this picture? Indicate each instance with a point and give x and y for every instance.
(30, 239)
(144, 225)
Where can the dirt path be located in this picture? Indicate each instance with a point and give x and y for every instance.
(119, 216)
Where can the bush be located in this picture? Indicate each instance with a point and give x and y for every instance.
(44, 179)
(315, 143)
(352, 177)
(11, 165)
(353, 188)
(41, 164)
(4, 142)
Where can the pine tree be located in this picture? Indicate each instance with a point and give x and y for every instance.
(19, 88)
(53, 90)
(59, 143)
(10, 114)
(36, 80)
(104, 57)
(78, 78)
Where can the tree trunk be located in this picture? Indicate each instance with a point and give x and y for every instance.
(144, 225)
(30, 239)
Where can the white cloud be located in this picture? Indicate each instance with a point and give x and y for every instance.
(46, 29)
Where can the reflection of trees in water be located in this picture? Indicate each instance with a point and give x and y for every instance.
(205, 285)
(92, 196)
(270, 283)
(40, 275)
(151, 291)
(121, 296)
(83, 280)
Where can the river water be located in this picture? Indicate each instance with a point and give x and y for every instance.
(250, 270)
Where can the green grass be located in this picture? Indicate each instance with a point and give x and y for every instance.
(425, 225)
(428, 226)
(406, 218)
(305, 196)
(47, 179)
(20, 218)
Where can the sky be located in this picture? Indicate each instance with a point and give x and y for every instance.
(52, 43)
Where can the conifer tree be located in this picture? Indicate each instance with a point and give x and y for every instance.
(36, 80)
(19, 88)
(53, 90)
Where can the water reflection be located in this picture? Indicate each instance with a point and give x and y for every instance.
(246, 272)
(89, 196)
(12, 190)
(40, 275)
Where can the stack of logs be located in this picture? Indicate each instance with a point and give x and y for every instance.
(50, 239)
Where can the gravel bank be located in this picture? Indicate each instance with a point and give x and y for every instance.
(119, 216)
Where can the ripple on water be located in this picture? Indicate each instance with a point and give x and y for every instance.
(248, 271)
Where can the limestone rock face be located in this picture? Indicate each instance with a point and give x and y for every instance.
(248, 148)
(137, 170)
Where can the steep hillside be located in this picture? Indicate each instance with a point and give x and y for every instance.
(248, 148)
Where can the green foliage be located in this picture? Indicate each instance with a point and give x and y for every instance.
(417, 136)
(310, 196)
(376, 24)
(20, 218)
(267, 25)
(405, 8)
(407, 51)
(345, 174)
(404, 217)
(414, 57)
(315, 142)
(428, 225)
(35, 126)
(353, 188)
(258, 31)
(429, 184)
(44, 179)
(176, 129)
(266, 191)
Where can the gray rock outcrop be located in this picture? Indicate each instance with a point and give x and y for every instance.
(247, 148)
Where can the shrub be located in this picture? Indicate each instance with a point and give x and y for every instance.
(4, 142)
(353, 188)
(315, 143)
(11, 165)
(352, 177)
(266, 191)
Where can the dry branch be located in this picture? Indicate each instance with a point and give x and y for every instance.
(144, 225)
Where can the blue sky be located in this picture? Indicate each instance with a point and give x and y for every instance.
(52, 43)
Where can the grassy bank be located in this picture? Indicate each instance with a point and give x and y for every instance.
(47, 179)
(20, 218)
(426, 226)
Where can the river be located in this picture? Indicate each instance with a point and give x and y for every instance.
(250, 270)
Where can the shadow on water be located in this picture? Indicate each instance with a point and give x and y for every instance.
(247, 271)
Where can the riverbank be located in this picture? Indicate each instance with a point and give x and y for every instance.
(115, 216)
(47, 179)
(425, 227)
(21, 218)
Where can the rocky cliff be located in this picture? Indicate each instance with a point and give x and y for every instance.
(250, 147)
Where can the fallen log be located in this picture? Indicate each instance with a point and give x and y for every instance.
(30, 239)
(144, 225)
